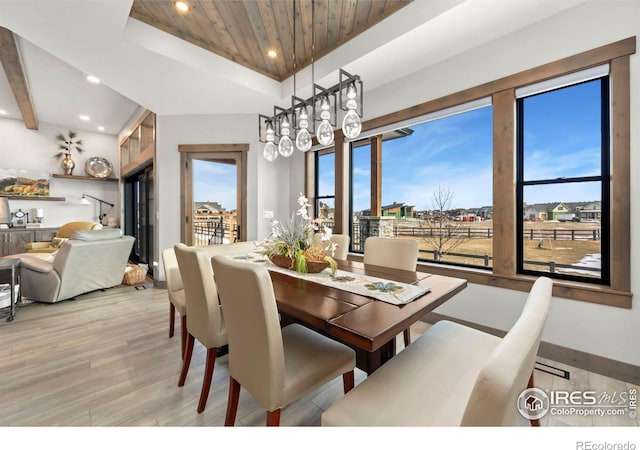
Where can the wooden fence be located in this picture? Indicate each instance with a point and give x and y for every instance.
(556, 234)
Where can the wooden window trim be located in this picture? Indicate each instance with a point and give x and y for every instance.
(376, 175)
(503, 274)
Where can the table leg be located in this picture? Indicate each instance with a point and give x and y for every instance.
(371, 361)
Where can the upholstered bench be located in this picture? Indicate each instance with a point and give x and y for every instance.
(452, 375)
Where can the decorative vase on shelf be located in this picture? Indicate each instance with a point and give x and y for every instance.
(68, 164)
(66, 144)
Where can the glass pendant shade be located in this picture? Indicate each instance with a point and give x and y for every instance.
(285, 146)
(351, 124)
(325, 130)
(270, 152)
(303, 138)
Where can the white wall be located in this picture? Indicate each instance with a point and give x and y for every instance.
(601, 330)
(268, 183)
(21, 148)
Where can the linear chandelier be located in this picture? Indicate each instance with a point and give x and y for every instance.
(345, 96)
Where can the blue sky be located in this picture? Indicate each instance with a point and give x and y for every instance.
(214, 182)
(562, 139)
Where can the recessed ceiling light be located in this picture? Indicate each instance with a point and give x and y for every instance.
(272, 53)
(100, 128)
(93, 79)
(3, 112)
(182, 6)
(84, 117)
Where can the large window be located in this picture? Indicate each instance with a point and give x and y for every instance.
(563, 181)
(360, 189)
(543, 171)
(436, 188)
(325, 187)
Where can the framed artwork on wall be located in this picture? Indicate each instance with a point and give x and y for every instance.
(24, 183)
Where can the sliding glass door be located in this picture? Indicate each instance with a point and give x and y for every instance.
(139, 215)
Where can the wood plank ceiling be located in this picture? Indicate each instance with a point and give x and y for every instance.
(244, 31)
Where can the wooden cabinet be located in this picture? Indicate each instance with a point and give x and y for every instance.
(138, 148)
(15, 240)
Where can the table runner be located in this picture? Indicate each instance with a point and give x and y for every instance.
(394, 292)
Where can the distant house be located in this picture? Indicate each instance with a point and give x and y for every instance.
(395, 209)
(590, 211)
(563, 211)
(538, 211)
(325, 212)
(207, 208)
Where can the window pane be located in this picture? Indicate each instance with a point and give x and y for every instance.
(325, 188)
(562, 229)
(562, 133)
(437, 185)
(326, 175)
(360, 190)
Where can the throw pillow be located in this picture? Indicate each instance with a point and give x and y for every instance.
(57, 241)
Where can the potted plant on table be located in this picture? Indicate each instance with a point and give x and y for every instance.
(291, 243)
(68, 143)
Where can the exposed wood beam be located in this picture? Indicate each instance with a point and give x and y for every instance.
(14, 69)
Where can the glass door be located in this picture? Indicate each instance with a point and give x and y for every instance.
(139, 215)
(214, 200)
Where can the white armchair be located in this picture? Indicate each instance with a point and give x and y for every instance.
(88, 261)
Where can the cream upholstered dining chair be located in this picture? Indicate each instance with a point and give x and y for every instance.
(277, 366)
(343, 241)
(175, 291)
(204, 317)
(394, 253)
(201, 298)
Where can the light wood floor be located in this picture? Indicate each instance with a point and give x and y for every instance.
(105, 359)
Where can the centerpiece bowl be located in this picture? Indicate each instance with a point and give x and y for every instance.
(290, 263)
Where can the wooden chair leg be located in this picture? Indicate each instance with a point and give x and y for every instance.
(187, 360)
(273, 418)
(183, 334)
(172, 318)
(208, 374)
(232, 402)
(534, 422)
(407, 337)
(348, 381)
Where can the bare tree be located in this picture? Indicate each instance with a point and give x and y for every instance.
(443, 233)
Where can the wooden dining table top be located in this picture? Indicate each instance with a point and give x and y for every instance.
(359, 320)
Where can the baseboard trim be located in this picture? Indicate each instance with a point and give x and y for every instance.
(576, 358)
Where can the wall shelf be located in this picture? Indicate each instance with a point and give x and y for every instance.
(81, 177)
(40, 199)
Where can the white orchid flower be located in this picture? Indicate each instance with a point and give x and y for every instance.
(302, 200)
(326, 233)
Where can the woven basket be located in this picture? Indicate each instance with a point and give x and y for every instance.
(289, 263)
(136, 275)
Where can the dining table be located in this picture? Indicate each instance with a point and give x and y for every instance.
(367, 325)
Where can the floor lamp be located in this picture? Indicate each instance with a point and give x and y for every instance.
(84, 201)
